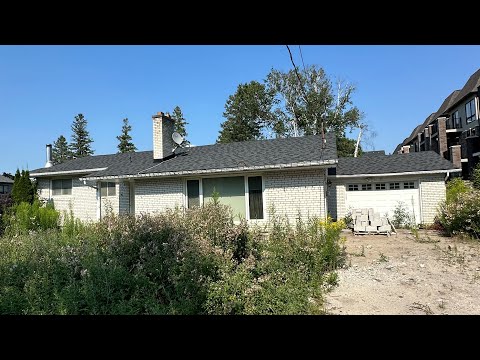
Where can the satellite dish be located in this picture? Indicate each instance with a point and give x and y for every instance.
(177, 138)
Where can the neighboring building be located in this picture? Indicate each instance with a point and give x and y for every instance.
(6, 185)
(453, 131)
(288, 174)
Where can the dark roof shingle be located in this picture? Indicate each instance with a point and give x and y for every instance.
(4, 179)
(209, 157)
(396, 163)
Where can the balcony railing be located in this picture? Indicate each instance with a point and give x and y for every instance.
(435, 128)
(454, 123)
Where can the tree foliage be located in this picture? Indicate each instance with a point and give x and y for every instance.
(346, 147)
(247, 113)
(23, 189)
(180, 122)
(80, 144)
(125, 140)
(60, 150)
(291, 104)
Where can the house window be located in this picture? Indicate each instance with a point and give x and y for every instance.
(353, 187)
(394, 186)
(409, 185)
(366, 187)
(107, 189)
(230, 191)
(2, 190)
(470, 110)
(193, 193)
(456, 122)
(255, 197)
(62, 187)
(380, 186)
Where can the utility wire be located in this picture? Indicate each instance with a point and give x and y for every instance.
(304, 94)
(301, 55)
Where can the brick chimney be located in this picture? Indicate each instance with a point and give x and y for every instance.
(163, 126)
(456, 156)
(442, 136)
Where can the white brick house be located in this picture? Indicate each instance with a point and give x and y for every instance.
(295, 176)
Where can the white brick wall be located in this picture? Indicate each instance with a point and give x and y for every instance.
(336, 200)
(82, 202)
(156, 195)
(291, 192)
(110, 203)
(433, 191)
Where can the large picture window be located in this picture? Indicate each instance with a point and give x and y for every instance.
(470, 111)
(230, 190)
(107, 189)
(62, 187)
(255, 198)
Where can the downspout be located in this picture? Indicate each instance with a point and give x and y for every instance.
(325, 189)
(448, 175)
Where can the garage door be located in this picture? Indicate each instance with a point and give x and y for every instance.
(384, 197)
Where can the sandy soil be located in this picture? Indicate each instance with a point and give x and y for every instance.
(407, 274)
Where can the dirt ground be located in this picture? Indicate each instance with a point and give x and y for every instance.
(407, 274)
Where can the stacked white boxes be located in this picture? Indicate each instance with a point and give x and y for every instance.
(366, 220)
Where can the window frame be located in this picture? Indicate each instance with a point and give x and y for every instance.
(63, 190)
(412, 183)
(354, 187)
(367, 187)
(246, 194)
(108, 188)
(396, 186)
(471, 105)
(378, 186)
(200, 191)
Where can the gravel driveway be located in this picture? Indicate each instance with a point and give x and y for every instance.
(407, 274)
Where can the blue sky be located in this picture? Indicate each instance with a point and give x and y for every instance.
(42, 88)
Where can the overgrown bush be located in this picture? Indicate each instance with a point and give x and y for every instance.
(455, 187)
(192, 262)
(402, 217)
(461, 213)
(24, 217)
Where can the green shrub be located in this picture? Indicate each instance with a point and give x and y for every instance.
(401, 216)
(193, 262)
(25, 217)
(455, 187)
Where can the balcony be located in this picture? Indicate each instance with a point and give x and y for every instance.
(454, 124)
(434, 128)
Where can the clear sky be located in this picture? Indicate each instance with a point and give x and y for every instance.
(42, 88)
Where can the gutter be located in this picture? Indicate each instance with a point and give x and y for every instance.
(68, 172)
(309, 164)
(398, 174)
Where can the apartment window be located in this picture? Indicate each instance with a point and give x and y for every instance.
(366, 187)
(352, 187)
(409, 185)
(193, 193)
(62, 187)
(456, 120)
(107, 189)
(255, 197)
(230, 190)
(394, 186)
(380, 186)
(470, 110)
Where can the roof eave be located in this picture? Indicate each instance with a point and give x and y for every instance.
(399, 173)
(69, 172)
(309, 164)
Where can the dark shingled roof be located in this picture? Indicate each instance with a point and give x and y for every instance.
(4, 179)
(470, 86)
(374, 153)
(396, 163)
(209, 157)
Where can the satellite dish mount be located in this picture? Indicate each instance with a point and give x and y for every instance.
(178, 139)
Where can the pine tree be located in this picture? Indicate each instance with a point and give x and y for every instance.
(180, 122)
(60, 150)
(81, 140)
(125, 140)
(23, 189)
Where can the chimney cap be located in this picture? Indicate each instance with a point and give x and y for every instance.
(162, 115)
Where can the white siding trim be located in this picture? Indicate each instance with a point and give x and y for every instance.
(398, 174)
(66, 172)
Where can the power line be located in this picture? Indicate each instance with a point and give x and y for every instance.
(301, 55)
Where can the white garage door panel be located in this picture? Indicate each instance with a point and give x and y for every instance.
(385, 201)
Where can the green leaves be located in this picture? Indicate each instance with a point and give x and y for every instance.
(60, 150)
(81, 140)
(180, 122)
